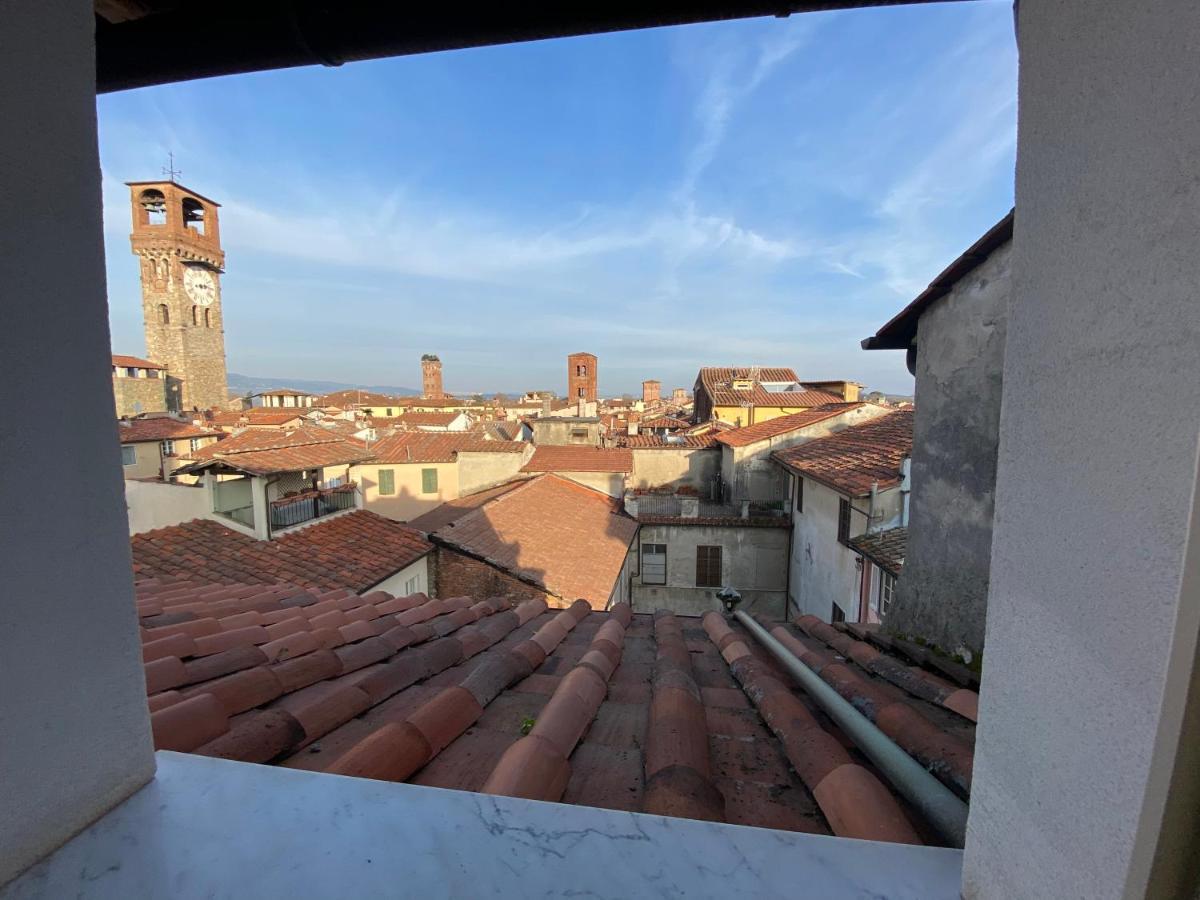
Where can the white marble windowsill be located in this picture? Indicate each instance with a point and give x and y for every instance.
(212, 828)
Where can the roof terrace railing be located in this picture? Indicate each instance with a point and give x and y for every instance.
(309, 505)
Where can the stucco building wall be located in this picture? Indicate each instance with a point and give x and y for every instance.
(409, 499)
(480, 470)
(942, 592)
(685, 466)
(139, 395)
(753, 562)
(159, 504)
(76, 733)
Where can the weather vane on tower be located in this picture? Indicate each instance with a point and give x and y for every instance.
(169, 170)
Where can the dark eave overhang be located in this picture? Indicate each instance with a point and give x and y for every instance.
(898, 334)
(147, 42)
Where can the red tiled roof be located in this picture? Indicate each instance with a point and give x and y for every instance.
(437, 446)
(159, 428)
(852, 460)
(884, 548)
(422, 418)
(719, 384)
(352, 398)
(761, 431)
(355, 551)
(453, 510)
(133, 362)
(564, 537)
(255, 416)
(677, 442)
(569, 458)
(284, 392)
(665, 422)
(267, 452)
(474, 695)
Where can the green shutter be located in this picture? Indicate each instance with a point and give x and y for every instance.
(429, 481)
(387, 481)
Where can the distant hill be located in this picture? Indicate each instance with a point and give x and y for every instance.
(241, 385)
(252, 384)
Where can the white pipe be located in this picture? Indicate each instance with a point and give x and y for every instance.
(937, 803)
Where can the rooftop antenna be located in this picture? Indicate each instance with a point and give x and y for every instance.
(169, 169)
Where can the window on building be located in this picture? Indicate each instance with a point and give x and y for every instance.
(412, 585)
(708, 567)
(128, 455)
(131, 372)
(887, 590)
(799, 494)
(579, 436)
(837, 614)
(654, 563)
(208, 318)
(193, 215)
(387, 481)
(582, 392)
(164, 314)
(155, 205)
(168, 448)
(195, 315)
(389, 412)
(194, 444)
(152, 373)
(429, 481)
(843, 521)
(581, 371)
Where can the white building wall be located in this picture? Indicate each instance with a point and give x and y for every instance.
(823, 571)
(412, 579)
(74, 727)
(160, 504)
(1086, 773)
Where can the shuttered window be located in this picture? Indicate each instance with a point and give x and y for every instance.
(654, 563)
(843, 521)
(429, 481)
(128, 455)
(799, 494)
(387, 481)
(708, 567)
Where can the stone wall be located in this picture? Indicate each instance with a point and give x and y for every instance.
(139, 395)
(942, 592)
(459, 575)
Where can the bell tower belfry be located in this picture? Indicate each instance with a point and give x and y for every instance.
(177, 240)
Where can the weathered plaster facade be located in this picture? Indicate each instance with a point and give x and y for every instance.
(942, 592)
(145, 392)
(753, 562)
(675, 467)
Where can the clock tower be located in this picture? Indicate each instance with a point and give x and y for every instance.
(178, 244)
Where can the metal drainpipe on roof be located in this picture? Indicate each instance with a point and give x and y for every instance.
(937, 803)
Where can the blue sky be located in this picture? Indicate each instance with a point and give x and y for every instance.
(760, 192)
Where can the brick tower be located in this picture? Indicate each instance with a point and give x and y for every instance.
(581, 377)
(178, 243)
(431, 377)
(651, 391)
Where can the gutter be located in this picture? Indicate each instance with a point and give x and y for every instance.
(937, 803)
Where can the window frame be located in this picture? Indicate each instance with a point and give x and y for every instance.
(704, 565)
(194, 444)
(390, 476)
(845, 511)
(800, 495)
(887, 592)
(167, 447)
(643, 553)
(128, 455)
(426, 476)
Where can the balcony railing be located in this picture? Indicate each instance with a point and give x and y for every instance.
(309, 505)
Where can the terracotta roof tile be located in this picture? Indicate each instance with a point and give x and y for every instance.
(266, 452)
(159, 428)
(761, 431)
(579, 459)
(675, 442)
(566, 538)
(719, 384)
(884, 548)
(651, 718)
(438, 446)
(357, 550)
(134, 362)
(852, 460)
(453, 510)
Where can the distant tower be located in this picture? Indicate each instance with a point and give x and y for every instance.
(177, 240)
(651, 391)
(431, 377)
(679, 396)
(581, 377)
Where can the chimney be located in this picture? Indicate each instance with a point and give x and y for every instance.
(546, 404)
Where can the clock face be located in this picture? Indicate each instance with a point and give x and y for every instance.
(200, 285)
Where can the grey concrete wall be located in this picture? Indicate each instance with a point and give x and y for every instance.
(557, 431)
(753, 561)
(479, 470)
(158, 504)
(73, 719)
(1089, 686)
(942, 592)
